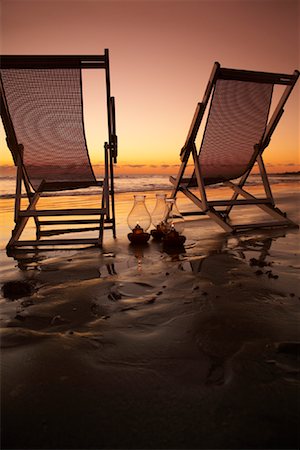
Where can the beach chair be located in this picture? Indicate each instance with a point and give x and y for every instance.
(42, 114)
(236, 132)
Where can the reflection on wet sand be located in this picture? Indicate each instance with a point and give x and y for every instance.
(254, 250)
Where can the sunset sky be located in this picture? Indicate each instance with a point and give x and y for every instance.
(161, 55)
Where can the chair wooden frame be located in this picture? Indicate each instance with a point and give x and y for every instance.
(105, 215)
(209, 207)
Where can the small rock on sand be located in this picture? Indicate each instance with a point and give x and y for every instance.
(17, 289)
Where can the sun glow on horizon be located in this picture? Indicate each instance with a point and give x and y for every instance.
(160, 60)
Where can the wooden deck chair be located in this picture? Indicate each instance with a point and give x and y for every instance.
(237, 131)
(42, 114)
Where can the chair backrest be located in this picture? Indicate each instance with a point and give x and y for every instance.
(45, 107)
(237, 121)
(237, 125)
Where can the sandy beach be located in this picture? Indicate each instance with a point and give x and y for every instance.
(137, 348)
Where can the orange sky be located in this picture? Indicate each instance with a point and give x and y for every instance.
(161, 52)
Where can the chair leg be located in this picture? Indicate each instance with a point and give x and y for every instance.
(38, 228)
(101, 222)
(177, 181)
(21, 223)
(265, 179)
(236, 194)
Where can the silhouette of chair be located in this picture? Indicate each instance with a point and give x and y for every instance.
(237, 131)
(42, 114)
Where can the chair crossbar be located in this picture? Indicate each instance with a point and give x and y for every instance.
(193, 213)
(68, 222)
(62, 212)
(257, 77)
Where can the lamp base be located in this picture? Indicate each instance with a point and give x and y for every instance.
(157, 234)
(138, 238)
(171, 240)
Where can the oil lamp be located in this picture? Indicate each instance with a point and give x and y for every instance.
(174, 226)
(139, 221)
(158, 216)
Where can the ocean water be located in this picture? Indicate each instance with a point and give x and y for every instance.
(135, 183)
(122, 184)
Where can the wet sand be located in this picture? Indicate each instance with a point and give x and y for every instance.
(138, 348)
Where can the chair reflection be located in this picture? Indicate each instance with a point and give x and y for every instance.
(253, 250)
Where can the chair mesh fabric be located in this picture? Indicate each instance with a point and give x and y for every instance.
(45, 106)
(236, 122)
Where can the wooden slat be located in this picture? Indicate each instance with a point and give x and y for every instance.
(192, 213)
(199, 113)
(52, 186)
(11, 138)
(278, 223)
(57, 242)
(54, 232)
(258, 77)
(276, 116)
(62, 212)
(256, 201)
(199, 177)
(72, 222)
(68, 222)
(184, 181)
(52, 61)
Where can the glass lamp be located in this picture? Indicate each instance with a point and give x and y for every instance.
(139, 221)
(174, 220)
(158, 216)
(174, 225)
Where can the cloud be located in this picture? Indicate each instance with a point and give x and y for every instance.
(134, 166)
(167, 166)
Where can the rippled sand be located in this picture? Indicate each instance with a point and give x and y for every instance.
(138, 348)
